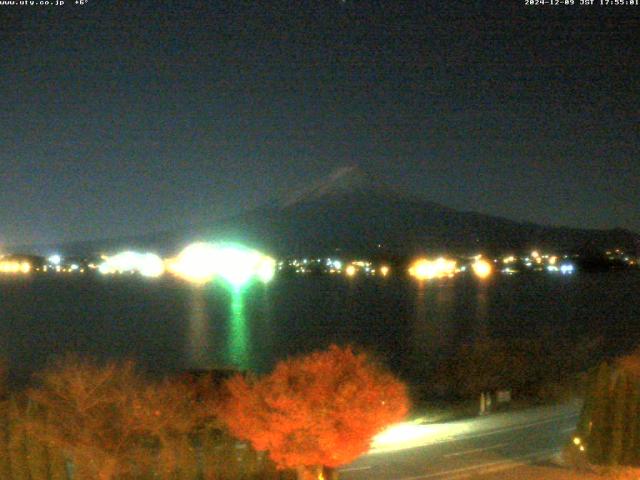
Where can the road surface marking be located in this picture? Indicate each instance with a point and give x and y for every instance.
(506, 464)
(474, 450)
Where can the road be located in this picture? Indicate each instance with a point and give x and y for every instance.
(466, 449)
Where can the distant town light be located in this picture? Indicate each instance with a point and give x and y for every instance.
(384, 270)
(566, 268)
(425, 269)
(54, 259)
(146, 264)
(482, 268)
(266, 269)
(350, 270)
(14, 266)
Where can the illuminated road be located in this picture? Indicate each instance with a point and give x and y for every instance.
(467, 449)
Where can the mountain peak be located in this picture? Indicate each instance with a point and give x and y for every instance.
(344, 180)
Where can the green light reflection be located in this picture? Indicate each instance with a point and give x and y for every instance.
(238, 340)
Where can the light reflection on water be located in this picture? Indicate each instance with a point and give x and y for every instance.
(167, 326)
(238, 339)
(198, 345)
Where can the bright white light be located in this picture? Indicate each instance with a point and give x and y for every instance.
(237, 266)
(566, 268)
(196, 263)
(146, 264)
(150, 265)
(552, 268)
(402, 436)
(54, 259)
(202, 262)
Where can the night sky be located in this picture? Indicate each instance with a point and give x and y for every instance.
(120, 118)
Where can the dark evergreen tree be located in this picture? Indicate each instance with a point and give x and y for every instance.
(609, 423)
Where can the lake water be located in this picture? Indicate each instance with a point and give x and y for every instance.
(166, 325)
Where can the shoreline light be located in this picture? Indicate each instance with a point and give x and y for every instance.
(203, 262)
(482, 268)
(567, 268)
(146, 264)
(425, 269)
(13, 266)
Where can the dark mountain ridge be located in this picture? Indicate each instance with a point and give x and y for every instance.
(352, 213)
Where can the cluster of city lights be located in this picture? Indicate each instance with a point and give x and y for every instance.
(537, 261)
(198, 263)
(237, 265)
(333, 266)
(429, 269)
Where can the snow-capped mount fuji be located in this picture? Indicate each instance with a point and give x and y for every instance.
(344, 181)
(352, 212)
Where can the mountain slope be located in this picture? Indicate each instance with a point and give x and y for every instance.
(356, 214)
(351, 213)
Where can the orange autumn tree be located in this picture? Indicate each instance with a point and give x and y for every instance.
(315, 411)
